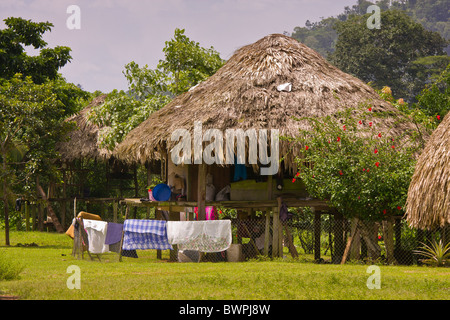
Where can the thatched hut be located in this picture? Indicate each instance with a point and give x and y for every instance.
(243, 94)
(264, 85)
(83, 142)
(428, 202)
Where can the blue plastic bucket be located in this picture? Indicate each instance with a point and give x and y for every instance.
(161, 192)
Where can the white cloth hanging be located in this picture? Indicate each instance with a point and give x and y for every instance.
(96, 232)
(204, 236)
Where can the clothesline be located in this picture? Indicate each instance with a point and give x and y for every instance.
(203, 236)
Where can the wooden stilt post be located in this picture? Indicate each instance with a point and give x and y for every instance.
(277, 241)
(201, 191)
(149, 182)
(267, 230)
(280, 232)
(158, 215)
(115, 206)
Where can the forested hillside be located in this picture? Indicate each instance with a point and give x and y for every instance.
(434, 15)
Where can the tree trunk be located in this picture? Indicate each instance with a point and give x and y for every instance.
(5, 197)
(367, 232)
(350, 240)
(52, 214)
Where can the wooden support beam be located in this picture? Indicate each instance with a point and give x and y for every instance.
(115, 207)
(277, 241)
(201, 191)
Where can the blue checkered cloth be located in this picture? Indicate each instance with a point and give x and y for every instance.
(145, 235)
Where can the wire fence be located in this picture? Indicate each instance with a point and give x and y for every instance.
(307, 236)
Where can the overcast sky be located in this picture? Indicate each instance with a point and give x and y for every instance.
(114, 32)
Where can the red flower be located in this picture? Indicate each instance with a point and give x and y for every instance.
(370, 124)
(384, 211)
(298, 174)
(377, 164)
(338, 139)
(306, 148)
(379, 135)
(368, 170)
(341, 173)
(438, 117)
(375, 151)
(360, 122)
(370, 109)
(399, 208)
(364, 169)
(343, 128)
(293, 180)
(379, 237)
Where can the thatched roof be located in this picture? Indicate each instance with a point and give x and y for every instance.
(83, 142)
(243, 94)
(428, 203)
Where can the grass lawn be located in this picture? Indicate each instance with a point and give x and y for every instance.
(45, 277)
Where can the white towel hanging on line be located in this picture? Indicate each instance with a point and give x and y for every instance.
(204, 236)
(96, 232)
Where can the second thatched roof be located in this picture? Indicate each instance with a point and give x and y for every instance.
(83, 142)
(245, 94)
(428, 203)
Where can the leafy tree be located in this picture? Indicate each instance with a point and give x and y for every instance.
(434, 99)
(319, 36)
(385, 56)
(186, 64)
(432, 14)
(121, 113)
(13, 58)
(31, 122)
(34, 101)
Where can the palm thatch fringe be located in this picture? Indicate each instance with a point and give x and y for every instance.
(428, 202)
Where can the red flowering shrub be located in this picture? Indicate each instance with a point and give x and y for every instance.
(358, 170)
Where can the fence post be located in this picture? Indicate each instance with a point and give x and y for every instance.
(267, 234)
(316, 234)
